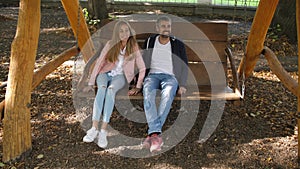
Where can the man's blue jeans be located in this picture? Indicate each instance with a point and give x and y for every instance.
(168, 86)
(108, 86)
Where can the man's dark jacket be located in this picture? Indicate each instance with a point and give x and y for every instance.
(179, 58)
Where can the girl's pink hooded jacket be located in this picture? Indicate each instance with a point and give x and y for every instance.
(102, 66)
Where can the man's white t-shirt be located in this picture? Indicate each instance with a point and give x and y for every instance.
(161, 58)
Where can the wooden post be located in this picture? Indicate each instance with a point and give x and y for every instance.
(80, 29)
(40, 74)
(298, 96)
(16, 123)
(280, 72)
(262, 20)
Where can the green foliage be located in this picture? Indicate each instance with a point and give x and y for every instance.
(112, 17)
(2, 164)
(253, 3)
(89, 21)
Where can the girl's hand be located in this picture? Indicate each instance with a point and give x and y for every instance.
(134, 91)
(87, 88)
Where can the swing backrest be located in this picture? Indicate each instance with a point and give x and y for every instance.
(201, 48)
(205, 46)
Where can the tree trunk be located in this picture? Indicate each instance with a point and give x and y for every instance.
(262, 20)
(98, 9)
(80, 30)
(285, 16)
(16, 123)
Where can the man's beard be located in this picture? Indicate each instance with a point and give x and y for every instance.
(165, 36)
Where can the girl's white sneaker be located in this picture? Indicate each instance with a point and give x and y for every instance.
(102, 139)
(91, 134)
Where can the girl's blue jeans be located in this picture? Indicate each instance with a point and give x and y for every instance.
(168, 86)
(108, 86)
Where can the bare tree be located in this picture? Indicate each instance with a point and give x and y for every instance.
(285, 16)
(97, 9)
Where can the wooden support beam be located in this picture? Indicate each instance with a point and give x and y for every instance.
(262, 20)
(16, 123)
(79, 27)
(298, 96)
(40, 74)
(280, 72)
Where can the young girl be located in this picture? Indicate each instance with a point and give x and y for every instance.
(115, 64)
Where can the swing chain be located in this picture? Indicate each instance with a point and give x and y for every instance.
(78, 25)
(243, 82)
(76, 38)
(243, 87)
(243, 75)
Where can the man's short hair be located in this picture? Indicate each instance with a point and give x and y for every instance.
(163, 18)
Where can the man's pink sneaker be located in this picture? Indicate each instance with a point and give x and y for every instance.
(147, 142)
(156, 143)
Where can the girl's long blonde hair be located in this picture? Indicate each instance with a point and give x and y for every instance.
(115, 43)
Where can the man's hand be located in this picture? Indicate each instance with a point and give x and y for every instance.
(134, 91)
(181, 90)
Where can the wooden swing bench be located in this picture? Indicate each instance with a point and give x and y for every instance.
(206, 48)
